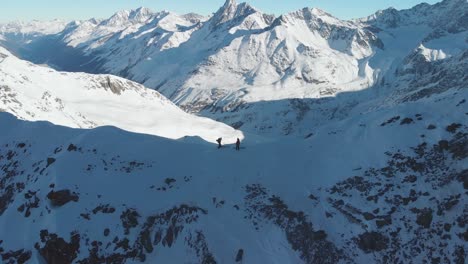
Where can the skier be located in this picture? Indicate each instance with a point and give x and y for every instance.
(238, 144)
(219, 142)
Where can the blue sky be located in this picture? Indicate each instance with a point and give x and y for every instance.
(84, 9)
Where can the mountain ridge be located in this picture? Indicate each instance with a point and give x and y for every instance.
(354, 139)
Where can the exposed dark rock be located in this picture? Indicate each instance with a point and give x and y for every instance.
(62, 197)
(410, 179)
(461, 102)
(131, 166)
(166, 227)
(11, 154)
(432, 167)
(453, 127)
(6, 198)
(443, 145)
(312, 245)
(368, 216)
(96, 255)
(240, 255)
(105, 209)
(21, 208)
(199, 244)
(237, 124)
(391, 120)
(20, 256)
(372, 241)
(32, 201)
(464, 236)
(72, 147)
(56, 250)
(447, 204)
(463, 178)
(50, 161)
(447, 227)
(458, 146)
(431, 127)
(406, 121)
(384, 221)
(86, 216)
(424, 218)
(459, 255)
(169, 181)
(359, 183)
(10, 169)
(129, 219)
(113, 85)
(462, 220)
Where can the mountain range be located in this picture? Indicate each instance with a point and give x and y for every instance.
(224, 65)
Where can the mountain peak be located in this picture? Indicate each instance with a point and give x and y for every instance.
(141, 14)
(230, 3)
(231, 10)
(317, 11)
(118, 18)
(323, 15)
(122, 17)
(309, 15)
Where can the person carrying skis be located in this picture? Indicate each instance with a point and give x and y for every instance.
(219, 142)
(238, 144)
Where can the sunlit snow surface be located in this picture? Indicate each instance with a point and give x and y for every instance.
(86, 101)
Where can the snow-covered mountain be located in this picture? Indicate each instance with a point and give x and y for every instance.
(374, 170)
(240, 58)
(34, 27)
(388, 186)
(17, 35)
(80, 100)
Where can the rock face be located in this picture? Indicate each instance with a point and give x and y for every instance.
(372, 241)
(19, 256)
(56, 250)
(425, 218)
(62, 197)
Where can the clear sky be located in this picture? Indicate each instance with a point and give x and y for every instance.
(85, 9)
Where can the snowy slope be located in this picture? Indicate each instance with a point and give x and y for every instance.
(385, 186)
(34, 27)
(375, 168)
(34, 92)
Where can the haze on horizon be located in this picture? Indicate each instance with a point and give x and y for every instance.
(67, 10)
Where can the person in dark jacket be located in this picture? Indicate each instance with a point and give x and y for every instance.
(238, 144)
(219, 142)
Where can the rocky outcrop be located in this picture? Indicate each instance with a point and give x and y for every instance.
(56, 250)
(62, 197)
